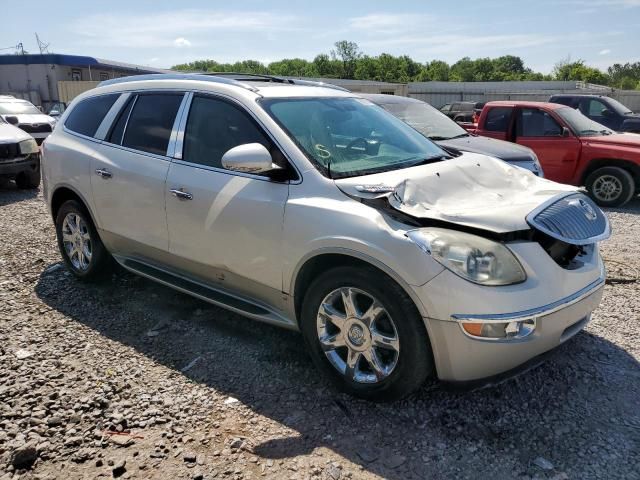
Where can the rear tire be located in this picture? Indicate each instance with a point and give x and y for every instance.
(386, 343)
(610, 186)
(80, 246)
(28, 179)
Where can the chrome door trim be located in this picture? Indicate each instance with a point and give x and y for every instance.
(533, 313)
(126, 123)
(174, 149)
(112, 114)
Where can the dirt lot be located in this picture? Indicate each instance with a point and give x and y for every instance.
(132, 380)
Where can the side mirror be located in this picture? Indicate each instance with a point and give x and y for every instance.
(566, 132)
(249, 158)
(606, 113)
(54, 113)
(12, 120)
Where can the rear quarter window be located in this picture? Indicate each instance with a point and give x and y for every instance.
(86, 116)
(498, 119)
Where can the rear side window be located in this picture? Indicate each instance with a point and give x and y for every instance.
(215, 126)
(498, 119)
(87, 116)
(151, 122)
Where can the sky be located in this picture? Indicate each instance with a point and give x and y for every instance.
(162, 34)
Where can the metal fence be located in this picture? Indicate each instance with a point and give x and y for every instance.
(441, 93)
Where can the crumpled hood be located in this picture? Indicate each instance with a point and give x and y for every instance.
(472, 190)
(11, 134)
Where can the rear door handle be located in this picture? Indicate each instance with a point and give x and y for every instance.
(104, 173)
(182, 195)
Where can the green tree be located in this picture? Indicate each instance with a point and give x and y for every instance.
(438, 71)
(463, 70)
(568, 70)
(348, 52)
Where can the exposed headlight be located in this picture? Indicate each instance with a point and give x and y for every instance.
(473, 258)
(28, 146)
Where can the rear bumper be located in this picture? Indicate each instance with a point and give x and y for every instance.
(462, 358)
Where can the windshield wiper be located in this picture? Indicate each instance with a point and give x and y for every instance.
(435, 158)
(437, 139)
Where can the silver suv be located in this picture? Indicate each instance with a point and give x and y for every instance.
(313, 209)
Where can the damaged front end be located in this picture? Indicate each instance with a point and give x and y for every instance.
(486, 197)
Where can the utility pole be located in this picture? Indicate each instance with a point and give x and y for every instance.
(43, 47)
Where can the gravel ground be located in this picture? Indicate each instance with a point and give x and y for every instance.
(130, 379)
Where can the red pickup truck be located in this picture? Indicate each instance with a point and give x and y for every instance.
(571, 148)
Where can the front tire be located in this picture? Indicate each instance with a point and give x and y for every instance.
(366, 334)
(610, 186)
(80, 246)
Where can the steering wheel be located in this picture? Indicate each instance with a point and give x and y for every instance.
(355, 142)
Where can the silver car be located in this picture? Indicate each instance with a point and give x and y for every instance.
(310, 208)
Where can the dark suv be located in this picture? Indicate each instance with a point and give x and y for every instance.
(604, 110)
(461, 111)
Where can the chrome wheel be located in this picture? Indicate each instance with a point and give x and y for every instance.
(607, 188)
(357, 335)
(77, 241)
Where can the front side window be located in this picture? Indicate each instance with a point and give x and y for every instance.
(498, 119)
(151, 122)
(533, 122)
(595, 108)
(86, 116)
(347, 136)
(581, 125)
(215, 126)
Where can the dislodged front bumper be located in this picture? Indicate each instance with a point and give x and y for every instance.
(461, 357)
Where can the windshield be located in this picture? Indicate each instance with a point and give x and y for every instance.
(348, 137)
(618, 107)
(581, 125)
(17, 108)
(426, 119)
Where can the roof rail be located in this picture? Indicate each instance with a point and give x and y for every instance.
(176, 76)
(250, 76)
(315, 83)
(257, 77)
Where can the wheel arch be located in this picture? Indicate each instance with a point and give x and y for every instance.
(321, 261)
(631, 167)
(64, 193)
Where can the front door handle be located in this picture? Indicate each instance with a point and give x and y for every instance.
(181, 194)
(104, 173)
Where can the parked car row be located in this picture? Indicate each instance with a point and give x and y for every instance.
(27, 117)
(572, 148)
(314, 209)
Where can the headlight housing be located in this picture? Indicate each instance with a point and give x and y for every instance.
(537, 165)
(471, 257)
(28, 146)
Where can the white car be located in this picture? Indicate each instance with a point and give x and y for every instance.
(313, 209)
(19, 156)
(26, 116)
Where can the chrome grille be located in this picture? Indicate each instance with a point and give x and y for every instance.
(573, 219)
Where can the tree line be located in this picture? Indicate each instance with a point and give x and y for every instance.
(347, 61)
